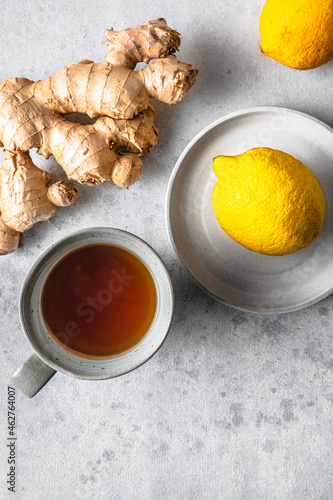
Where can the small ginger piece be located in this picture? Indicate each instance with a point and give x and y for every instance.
(61, 194)
(33, 115)
(9, 239)
(126, 171)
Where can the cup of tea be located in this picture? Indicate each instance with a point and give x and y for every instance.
(95, 305)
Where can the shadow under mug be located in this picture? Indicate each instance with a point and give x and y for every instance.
(49, 354)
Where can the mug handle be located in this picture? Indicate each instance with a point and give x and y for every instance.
(31, 376)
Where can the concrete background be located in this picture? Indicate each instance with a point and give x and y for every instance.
(234, 406)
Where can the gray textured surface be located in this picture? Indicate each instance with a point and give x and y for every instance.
(234, 406)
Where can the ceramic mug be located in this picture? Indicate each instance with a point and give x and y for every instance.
(50, 355)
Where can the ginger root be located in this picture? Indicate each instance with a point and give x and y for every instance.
(32, 116)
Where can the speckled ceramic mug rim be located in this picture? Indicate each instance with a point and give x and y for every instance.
(52, 352)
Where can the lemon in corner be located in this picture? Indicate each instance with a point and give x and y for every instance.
(298, 33)
(267, 201)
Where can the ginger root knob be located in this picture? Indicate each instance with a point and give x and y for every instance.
(126, 170)
(61, 194)
(9, 239)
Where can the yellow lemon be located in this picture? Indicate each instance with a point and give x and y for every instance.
(298, 33)
(267, 201)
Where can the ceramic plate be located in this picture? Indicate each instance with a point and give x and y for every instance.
(223, 268)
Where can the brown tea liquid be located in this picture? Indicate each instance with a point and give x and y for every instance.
(99, 300)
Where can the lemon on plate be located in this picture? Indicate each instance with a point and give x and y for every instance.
(268, 201)
(298, 33)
